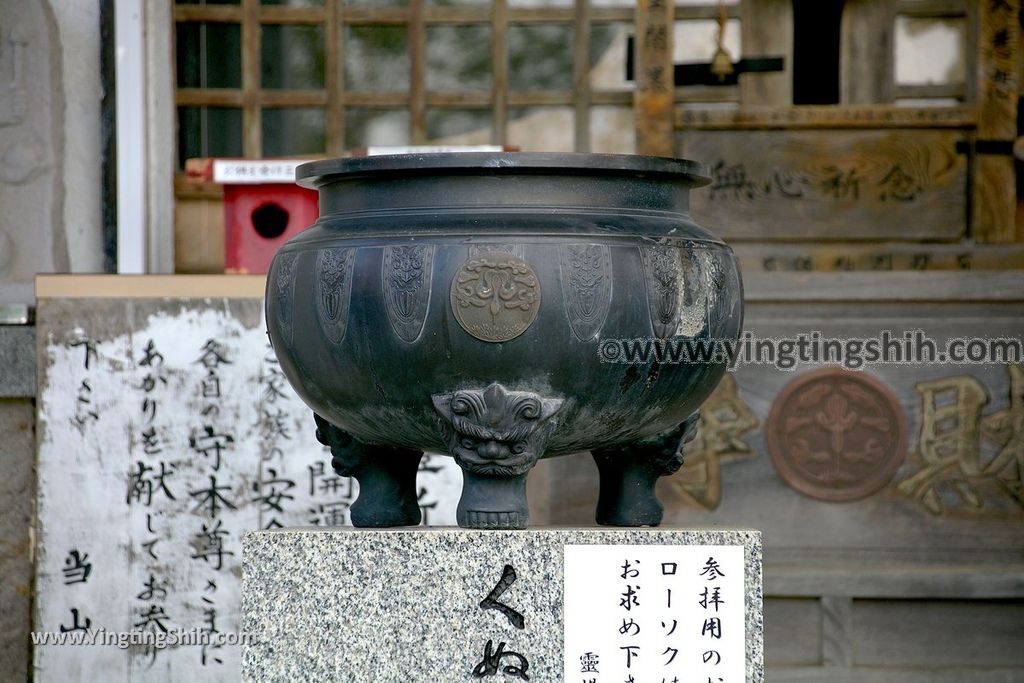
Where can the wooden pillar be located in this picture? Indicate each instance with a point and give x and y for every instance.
(499, 64)
(994, 202)
(334, 78)
(653, 98)
(581, 76)
(417, 73)
(252, 123)
(767, 29)
(866, 63)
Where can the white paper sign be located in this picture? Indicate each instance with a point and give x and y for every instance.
(159, 448)
(654, 614)
(241, 172)
(430, 149)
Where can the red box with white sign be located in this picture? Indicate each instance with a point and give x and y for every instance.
(263, 209)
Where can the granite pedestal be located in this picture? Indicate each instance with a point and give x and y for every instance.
(430, 605)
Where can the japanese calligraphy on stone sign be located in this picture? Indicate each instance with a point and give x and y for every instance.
(654, 614)
(167, 430)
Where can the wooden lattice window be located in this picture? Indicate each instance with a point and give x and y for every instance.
(325, 76)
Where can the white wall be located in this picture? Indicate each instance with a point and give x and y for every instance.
(78, 29)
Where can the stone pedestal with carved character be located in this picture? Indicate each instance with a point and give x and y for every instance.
(541, 605)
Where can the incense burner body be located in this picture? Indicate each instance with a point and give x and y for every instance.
(485, 305)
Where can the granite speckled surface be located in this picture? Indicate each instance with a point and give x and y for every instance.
(18, 360)
(402, 605)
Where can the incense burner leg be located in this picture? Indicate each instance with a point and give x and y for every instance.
(386, 476)
(496, 436)
(629, 474)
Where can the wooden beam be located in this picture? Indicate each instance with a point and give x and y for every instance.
(208, 13)
(376, 99)
(457, 99)
(876, 256)
(450, 99)
(694, 94)
(457, 15)
(230, 97)
(932, 8)
(292, 98)
(482, 14)
(235, 14)
(931, 90)
(539, 15)
(364, 15)
(622, 97)
(813, 116)
(209, 97)
(653, 99)
(611, 14)
(907, 286)
(708, 11)
(539, 98)
(994, 198)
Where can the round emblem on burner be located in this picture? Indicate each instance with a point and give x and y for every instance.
(495, 296)
(836, 435)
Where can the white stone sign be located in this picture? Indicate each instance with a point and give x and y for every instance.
(654, 614)
(166, 432)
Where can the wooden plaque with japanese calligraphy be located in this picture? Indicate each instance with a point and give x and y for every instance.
(166, 431)
(892, 185)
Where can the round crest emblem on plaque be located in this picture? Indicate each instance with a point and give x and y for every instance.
(495, 296)
(836, 435)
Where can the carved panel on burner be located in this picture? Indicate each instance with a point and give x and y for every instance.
(586, 287)
(334, 290)
(407, 273)
(663, 277)
(285, 287)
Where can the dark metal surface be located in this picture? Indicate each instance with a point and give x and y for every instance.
(630, 473)
(447, 302)
(315, 174)
(386, 476)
